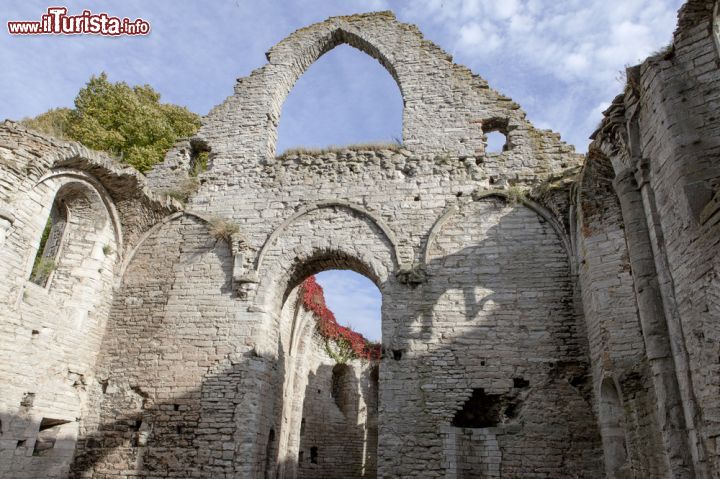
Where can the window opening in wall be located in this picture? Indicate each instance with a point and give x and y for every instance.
(47, 435)
(344, 98)
(314, 455)
(495, 132)
(495, 142)
(46, 257)
(520, 383)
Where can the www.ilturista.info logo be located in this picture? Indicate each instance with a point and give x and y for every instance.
(57, 22)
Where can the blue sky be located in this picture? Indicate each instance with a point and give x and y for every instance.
(562, 61)
(354, 299)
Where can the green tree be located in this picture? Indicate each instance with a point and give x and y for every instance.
(129, 122)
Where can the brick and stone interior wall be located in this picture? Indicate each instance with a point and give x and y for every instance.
(532, 327)
(631, 439)
(495, 345)
(338, 437)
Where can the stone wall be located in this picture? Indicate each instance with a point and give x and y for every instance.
(340, 422)
(661, 138)
(616, 341)
(544, 314)
(51, 329)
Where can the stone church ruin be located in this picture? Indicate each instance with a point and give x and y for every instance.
(545, 314)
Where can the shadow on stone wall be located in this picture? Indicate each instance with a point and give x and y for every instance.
(514, 302)
(194, 433)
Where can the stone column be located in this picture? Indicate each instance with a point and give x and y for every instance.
(674, 323)
(654, 327)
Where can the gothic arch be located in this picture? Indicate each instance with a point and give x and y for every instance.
(543, 213)
(389, 235)
(288, 62)
(149, 233)
(65, 175)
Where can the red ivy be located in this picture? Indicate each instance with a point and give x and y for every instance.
(313, 300)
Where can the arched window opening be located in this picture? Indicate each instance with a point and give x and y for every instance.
(46, 258)
(611, 429)
(345, 98)
(77, 245)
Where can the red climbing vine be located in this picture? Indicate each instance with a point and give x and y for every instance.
(313, 300)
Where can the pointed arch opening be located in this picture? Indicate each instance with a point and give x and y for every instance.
(346, 98)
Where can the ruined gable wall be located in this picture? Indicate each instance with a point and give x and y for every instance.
(373, 210)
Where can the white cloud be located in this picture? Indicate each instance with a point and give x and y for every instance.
(559, 60)
(577, 45)
(479, 36)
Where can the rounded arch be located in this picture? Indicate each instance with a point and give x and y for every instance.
(66, 175)
(375, 219)
(299, 264)
(531, 205)
(318, 239)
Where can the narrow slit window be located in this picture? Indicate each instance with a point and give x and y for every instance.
(50, 241)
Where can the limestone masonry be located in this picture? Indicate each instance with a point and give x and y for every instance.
(545, 314)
